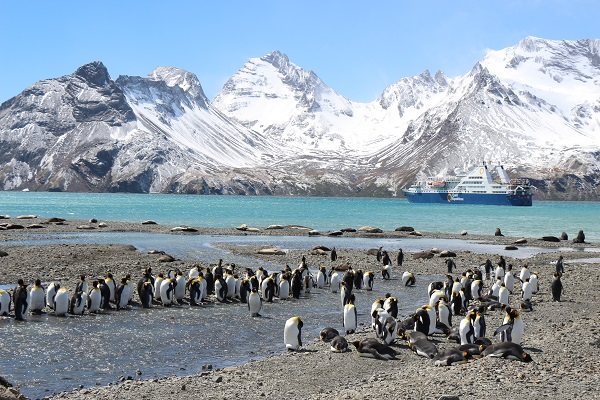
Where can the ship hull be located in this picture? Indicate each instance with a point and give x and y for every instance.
(497, 199)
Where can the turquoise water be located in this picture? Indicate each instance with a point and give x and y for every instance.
(543, 218)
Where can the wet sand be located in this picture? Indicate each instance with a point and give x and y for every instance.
(563, 338)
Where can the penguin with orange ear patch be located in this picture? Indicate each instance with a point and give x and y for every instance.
(508, 350)
(292, 333)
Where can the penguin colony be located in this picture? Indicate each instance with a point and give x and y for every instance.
(457, 308)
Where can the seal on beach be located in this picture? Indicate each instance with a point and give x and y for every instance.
(339, 344)
(350, 316)
(21, 301)
(374, 349)
(508, 350)
(254, 303)
(37, 297)
(292, 333)
(327, 334)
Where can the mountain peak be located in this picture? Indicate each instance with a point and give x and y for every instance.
(95, 73)
(172, 77)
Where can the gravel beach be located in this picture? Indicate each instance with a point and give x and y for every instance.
(563, 338)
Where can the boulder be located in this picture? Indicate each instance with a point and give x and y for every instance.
(335, 233)
(3, 253)
(510, 247)
(148, 222)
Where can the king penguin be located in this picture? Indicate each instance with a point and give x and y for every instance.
(350, 316)
(37, 298)
(21, 301)
(61, 302)
(94, 298)
(78, 303)
(254, 303)
(292, 333)
(4, 303)
(167, 287)
(51, 292)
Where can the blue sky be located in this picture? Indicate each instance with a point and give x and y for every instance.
(356, 47)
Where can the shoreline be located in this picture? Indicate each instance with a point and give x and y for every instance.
(562, 337)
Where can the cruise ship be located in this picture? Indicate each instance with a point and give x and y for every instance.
(482, 185)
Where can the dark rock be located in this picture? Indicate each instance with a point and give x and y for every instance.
(348, 230)
(93, 221)
(511, 248)
(3, 254)
(148, 222)
(335, 233)
(498, 232)
(166, 258)
(218, 379)
(404, 229)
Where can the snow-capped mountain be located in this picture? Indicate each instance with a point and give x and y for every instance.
(278, 129)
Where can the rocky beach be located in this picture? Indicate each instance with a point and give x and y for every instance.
(563, 338)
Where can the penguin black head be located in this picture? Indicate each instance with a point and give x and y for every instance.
(20, 282)
(38, 282)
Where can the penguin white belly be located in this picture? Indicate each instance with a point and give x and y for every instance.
(350, 318)
(202, 289)
(157, 284)
(405, 277)
(37, 298)
(444, 315)
(509, 281)
(78, 309)
(166, 295)
(95, 300)
(516, 334)
(533, 281)
(525, 274)
(112, 287)
(527, 291)
(499, 272)
(230, 281)
(435, 296)
(179, 288)
(464, 331)
(194, 273)
(284, 290)
(4, 302)
(292, 334)
(254, 304)
(503, 295)
(50, 293)
(123, 299)
(320, 280)
(61, 302)
(335, 282)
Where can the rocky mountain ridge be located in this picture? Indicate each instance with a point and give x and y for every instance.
(278, 129)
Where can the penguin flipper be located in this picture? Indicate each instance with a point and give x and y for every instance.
(299, 338)
(503, 328)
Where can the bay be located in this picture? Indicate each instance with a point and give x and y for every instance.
(329, 213)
